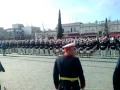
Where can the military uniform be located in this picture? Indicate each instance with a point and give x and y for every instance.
(19, 46)
(51, 48)
(68, 72)
(57, 46)
(116, 76)
(27, 45)
(88, 48)
(103, 47)
(112, 47)
(42, 48)
(118, 45)
(46, 48)
(4, 46)
(23, 47)
(0, 47)
(74, 72)
(78, 48)
(37, 46)
(82, 47)
(32, 47)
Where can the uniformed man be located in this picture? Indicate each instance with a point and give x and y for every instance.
(23, 47)
(103, 47)
(42, 48)
(88, 48)
(112, 47)
(68, 72)
(118, 44)
(32, 47)
(46, 48)
(82, 47)
(57, 46)
(19, 46)
(51, 48)
(116, 76)
(27, 45)
(4, 46)
(78, 47)
(1, 70)
(0, 47)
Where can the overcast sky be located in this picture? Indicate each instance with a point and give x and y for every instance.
(45, 12)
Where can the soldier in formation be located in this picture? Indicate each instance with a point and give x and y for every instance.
(85, 47)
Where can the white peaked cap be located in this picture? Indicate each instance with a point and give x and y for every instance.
(69, 46)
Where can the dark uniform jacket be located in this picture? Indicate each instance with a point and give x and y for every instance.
(112, 45)
(116, 76)
(1, 68)
(70, 67)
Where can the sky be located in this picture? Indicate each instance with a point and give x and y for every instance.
(44, 13)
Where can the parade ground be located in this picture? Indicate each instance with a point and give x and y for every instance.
(30, 72)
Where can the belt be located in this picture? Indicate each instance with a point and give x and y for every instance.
(69, 79)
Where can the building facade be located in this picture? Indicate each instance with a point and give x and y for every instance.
(30, 32)
(3, 34)
(95, 29)
(47, 34)
(15, 34)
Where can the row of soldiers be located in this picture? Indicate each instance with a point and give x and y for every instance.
(45, 47)
(84, 46)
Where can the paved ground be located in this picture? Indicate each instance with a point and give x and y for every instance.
(35, 72)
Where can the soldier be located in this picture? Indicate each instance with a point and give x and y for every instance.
(19, 45)
(23, 47)
(32, 47)
(118, 44)
(42, 48)
(68, 72)
(103, 47)
(78, 47)
(0, 47)
(37, 45)
(57, 46)
(112, 47)
(46, 48)
(51, 48)
(15, 46)
(7, 47)
(27, 45)
(82, 47)
(4, 46)
(88, 48)
(116, 76)
(1, 70)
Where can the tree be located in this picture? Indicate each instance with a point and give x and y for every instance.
(106, 32)
(59, 29)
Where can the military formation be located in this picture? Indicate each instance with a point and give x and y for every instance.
(51, 47)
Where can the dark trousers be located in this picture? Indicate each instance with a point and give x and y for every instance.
(4, 51)
(68, 85)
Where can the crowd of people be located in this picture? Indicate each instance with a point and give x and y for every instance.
(84, 46)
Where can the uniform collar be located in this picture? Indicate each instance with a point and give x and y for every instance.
(66, 54)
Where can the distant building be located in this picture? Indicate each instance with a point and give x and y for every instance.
(3, 34)
(15, 34)
(49, 34)
(79, 29)
(18, 26)
(30, 31)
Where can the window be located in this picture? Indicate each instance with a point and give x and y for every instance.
(74, 29)
(71, 29)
